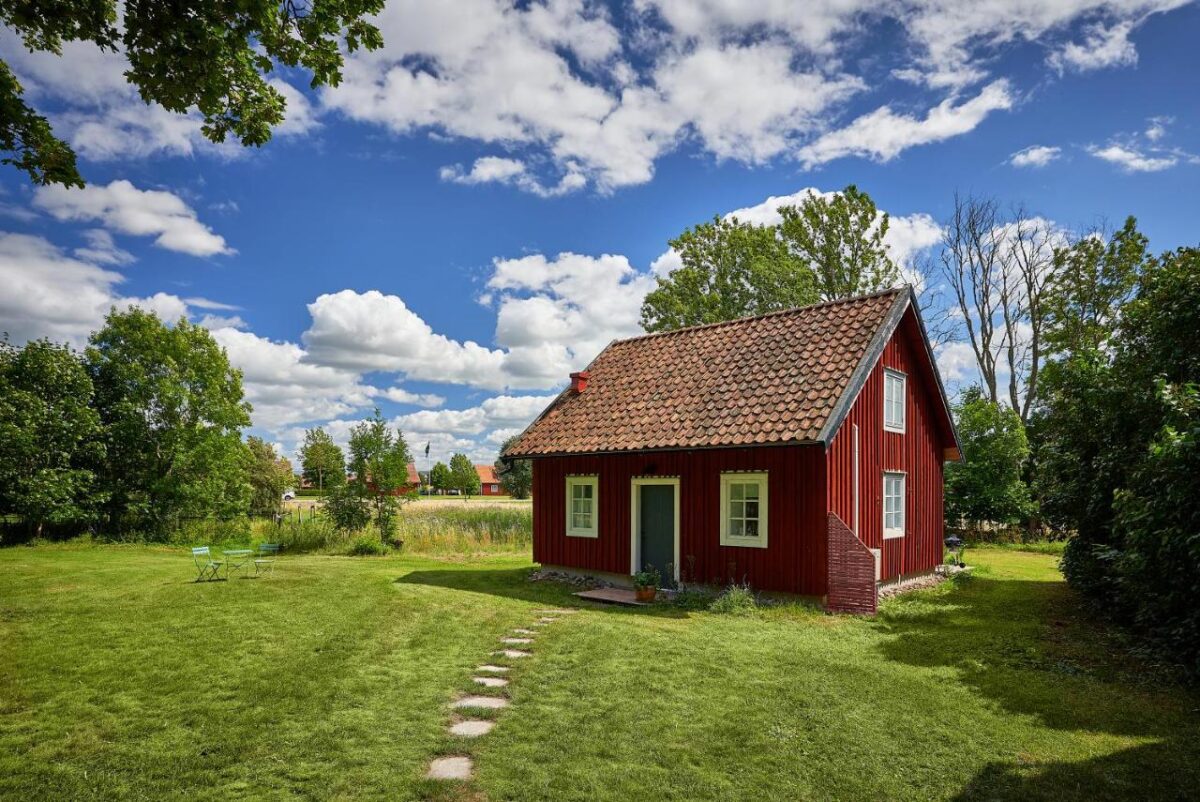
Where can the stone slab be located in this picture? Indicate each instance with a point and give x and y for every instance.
(516, 641)
(455, 767)
(491, 669)
(513, 653)
(487, 702)
(525, 631)
(490, 682)
(472, 728)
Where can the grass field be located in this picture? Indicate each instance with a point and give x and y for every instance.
(119, 678)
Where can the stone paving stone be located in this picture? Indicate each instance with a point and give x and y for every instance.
(456, 767)
(491, 682)
(516, 641)
(489, 702)
(491, 669)
(546, 620)
(525, 631)
(556, 612)
(472, 728)
(513, 653)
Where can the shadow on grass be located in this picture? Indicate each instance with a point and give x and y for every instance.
(515, 584)
(1027, 647)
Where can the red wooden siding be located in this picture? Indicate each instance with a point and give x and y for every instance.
(917, 452)
(851, 571)
(794, 560)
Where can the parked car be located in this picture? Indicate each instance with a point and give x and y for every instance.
(289, 495)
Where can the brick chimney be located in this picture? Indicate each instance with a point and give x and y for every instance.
(579, 381)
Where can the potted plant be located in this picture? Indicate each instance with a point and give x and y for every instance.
(645, 584)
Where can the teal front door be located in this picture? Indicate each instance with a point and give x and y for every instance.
(656, 522)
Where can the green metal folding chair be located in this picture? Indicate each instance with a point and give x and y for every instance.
(206, 567)
(264, 563)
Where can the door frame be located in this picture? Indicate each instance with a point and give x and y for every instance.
(635, 508)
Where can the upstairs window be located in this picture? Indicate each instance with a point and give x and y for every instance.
(583, 493)
(893, 505)
(744, 509)
(893, 400)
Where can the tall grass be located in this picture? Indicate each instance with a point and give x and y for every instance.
(466, 529)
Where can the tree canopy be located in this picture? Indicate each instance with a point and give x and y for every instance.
(516, 477)
(214, 57)
(321, 460)
(463, 476)
(439, 477)
(379, 458)
(50, 436)
(173, 410)
(270, 475)
(988, 486)
(823, 249)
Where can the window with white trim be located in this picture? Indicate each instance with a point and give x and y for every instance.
(893, 400)
(744, 509)
(893, 505)
(583, 495)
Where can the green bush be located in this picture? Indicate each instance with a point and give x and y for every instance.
(367, 546)
(298, 537)
(735, 600)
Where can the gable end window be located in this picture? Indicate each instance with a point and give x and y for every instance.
(894, 387)
(744, 509)
(893, 505)
(583, 498)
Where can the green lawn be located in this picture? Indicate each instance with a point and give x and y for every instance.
(121, 679)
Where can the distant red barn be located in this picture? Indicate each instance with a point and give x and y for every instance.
(800, 451)
(489, 485)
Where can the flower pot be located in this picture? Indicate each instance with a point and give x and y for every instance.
(645, 594)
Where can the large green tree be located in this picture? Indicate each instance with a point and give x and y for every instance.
(439, 477)
(987, 486)
(730, 269)
(841, 240)
(270, 475)
(379, 458)
(463, 476)
(50, 437)
(214, 57)
(823, 249)
(321, 460)
(173, 410)
(516, 475)
(1118, 433)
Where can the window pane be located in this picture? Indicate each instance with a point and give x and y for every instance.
(737, 509)
(735, 528)
(751, 491)
(752, 509)
(735, 491)
(752, 528)
(585, 520)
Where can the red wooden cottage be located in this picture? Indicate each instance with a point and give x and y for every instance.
(489, 484)
(800, 451)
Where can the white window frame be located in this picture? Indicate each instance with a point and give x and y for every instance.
(893, 532)
(579, 481)
(758, 541)
(890, 376)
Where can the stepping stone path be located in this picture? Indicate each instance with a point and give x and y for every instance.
(491, 682)
(459, 767)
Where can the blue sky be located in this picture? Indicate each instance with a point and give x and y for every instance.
(481, 205)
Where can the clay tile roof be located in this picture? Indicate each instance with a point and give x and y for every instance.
(413, 478)
(767, 379)
(487, 474)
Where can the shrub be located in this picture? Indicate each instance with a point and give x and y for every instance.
(347, 510)
(367, 546)
(736, 600)
(296, 537)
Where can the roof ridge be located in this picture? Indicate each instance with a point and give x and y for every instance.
(764, 315)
